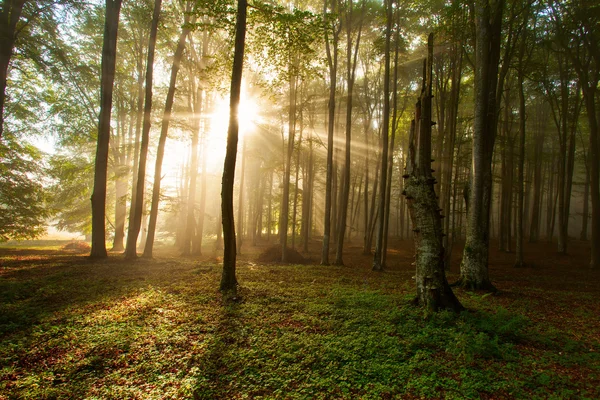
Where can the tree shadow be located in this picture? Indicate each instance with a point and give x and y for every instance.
(218, 363)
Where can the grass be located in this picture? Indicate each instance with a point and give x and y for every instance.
(75, 328)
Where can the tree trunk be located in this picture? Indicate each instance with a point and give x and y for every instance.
(350, 74)
(9, 17)
(120, 170)
(534, 231)
(240, 228)
(433, 291)
(135, 220)
(228, 278)
(164, 130)
(332, 61)
(586, 194)
(521, 177)
(390, 161)
(474, 267)
(109, 55)
(377, 257)
(197, 245)
(295, 210)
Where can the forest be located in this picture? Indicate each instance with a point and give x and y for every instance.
(302, 199)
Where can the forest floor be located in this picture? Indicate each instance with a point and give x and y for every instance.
(74, 328)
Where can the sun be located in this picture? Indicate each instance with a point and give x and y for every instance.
(248, 118)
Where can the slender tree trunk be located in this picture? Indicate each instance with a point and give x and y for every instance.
(307, 189)
(197, 245)
(240, 228)
(228, 278)
(332, 61)
(160, 153)
(390, 161)
(109, 55)
(136, 222)
(378, 258)
(120, 170)
(285, 199)
(270, 208)
(586, 194)
(350, 74)
(534, 231)
(295, 210)
(521, 178)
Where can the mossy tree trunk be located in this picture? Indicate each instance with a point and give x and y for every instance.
(433, 290)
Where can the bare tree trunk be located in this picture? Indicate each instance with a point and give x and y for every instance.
(160, 153)
(332, 61)
(521, 177)
(433, 291)
(307, 188)
(120, 170)
(135, 220)
(377, 257)
(474, 267)
(295, 210)
(586, 194)
(534, 231)
(390, 161)
(373, 210)
(350, 74)
(228, 278)
(285, 199)
(197, 243)
(109, 55)
(190, 222)
(240, 228)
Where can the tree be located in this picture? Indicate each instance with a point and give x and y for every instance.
(488, 24)
(9, 17)
(109, 56)
(433, 291)
(332, 62)
(23, 210)
(228, 278)
(351, 58)
(160, 153)
(135, 215)
(378, 256)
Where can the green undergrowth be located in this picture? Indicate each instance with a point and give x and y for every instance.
(160, 329)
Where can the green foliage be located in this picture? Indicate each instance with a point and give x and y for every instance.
(71, 192)
(23, 210)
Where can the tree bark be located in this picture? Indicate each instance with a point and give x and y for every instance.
(285, 199)
(9, 17)
(433, 291)
(109, 55)
(135, 222)
(332, 61)
(240, 228)
(521, 177)
(228, 278)
(350, 74)
(474, 267)
(377, 257)
(164, 130)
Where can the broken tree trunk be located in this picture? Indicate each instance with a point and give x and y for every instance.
(433, 290)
